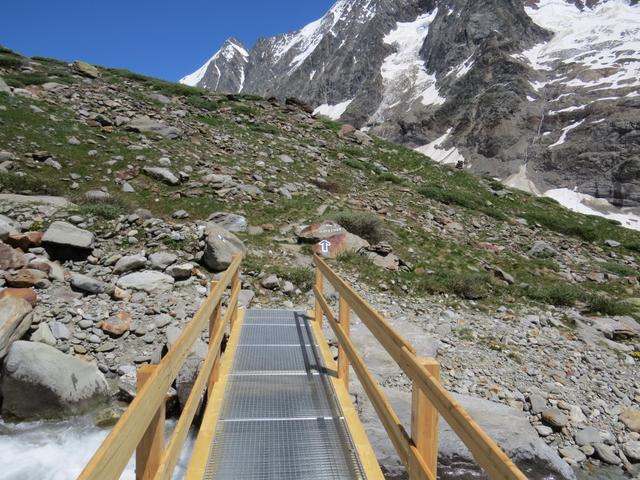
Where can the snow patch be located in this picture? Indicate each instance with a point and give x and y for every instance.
(588, 205)
(565, 131)
(334, 112)
(439, 154)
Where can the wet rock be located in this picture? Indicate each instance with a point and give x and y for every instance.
(108, 417)
(220, 246)
(39, 381)
(15, 320)
(64, 241)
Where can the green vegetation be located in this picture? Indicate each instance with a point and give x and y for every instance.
(389, 177)
(366, 225)
(555, 293)
(13, 183)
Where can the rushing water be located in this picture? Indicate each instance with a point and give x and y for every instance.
(57, 450)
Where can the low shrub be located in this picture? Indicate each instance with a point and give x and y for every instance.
(366, 225)
(558, 294)
(26, 184)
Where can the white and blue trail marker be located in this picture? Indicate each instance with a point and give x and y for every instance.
(324, 247)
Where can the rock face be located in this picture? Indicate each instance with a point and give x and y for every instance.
(220, 246)
(565, 114)
(38, 381)
(64, 241)
(15, 320)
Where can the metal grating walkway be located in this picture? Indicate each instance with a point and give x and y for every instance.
(279, 418)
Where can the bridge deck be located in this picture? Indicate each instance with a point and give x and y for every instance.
(279, 416)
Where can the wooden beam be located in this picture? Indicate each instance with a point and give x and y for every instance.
(320, 289)
(424, 420)
(344, 316)
(113, 455)
(149, 451)
(214, 325)
(235, 287)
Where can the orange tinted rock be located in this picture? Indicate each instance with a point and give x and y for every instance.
(25, 241)
(28, 294)
(11, 258)
(118, 325)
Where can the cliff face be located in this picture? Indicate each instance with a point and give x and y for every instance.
(543, 94)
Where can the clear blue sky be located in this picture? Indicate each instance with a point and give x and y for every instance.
(158, 38)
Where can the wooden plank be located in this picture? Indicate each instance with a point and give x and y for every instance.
(235, 287)
(424, 420)
(176, 443)
(344, 316)
(113, 455)
(361, 442)
(149, 451)
(388, 417)
(201, 448)
(214, 324)
(320, 289)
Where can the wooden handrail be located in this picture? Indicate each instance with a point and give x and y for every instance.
(112, 456)
(486, 452)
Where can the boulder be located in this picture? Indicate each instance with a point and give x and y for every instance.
(163, 174)
(24, 241)
(616, 328)
(631, 418)
(26, 278)
(319, 231)
(149, 281)
(339, 244)
(180, 272)
(541, 249)
(144, 124)
(11, 258)
(554, 418)
(229, 221)
(28, 294)
(64, 241)
(129, 263)
(89, 285)
(15, 320)
(39, 381)
(270, 282)
(117, 325)
(220, 246)
(4, 88)
(507, 426)
(8, 226)
(44, 335)
(161, 260)
(83, 68)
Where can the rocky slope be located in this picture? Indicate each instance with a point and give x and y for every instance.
(542, 94)
(114, 188)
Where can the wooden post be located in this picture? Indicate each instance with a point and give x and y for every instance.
(214, 325)
(151, 447)
(235, 282)
(344, 317)
(424, 421)
(320, 286)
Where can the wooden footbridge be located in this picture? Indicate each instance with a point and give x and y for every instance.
(276, 403)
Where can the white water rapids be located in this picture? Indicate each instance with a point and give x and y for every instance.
(57, 450)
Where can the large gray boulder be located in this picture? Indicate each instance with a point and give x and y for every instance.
(15, 320)
(220, 246)
(8, 226)
(64, 241)
(144, 124)
(229, 221)
(163, 174)
(39, 381)
(507, 426)
(89, 285)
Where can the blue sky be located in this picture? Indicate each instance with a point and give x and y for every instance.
(158, 38)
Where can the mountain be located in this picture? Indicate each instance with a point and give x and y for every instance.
(542, 94)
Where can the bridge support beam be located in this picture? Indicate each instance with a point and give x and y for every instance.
(151, 447)
(344, 318)
(214, 325)
(320, 288)
(424, 423)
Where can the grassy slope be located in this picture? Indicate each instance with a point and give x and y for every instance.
(233, 132)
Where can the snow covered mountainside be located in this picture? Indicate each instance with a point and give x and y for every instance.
(543, 94)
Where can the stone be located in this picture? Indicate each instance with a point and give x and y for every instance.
(39, 381)
(15, 320)
(43, 335)
(144, 124)
(538, 403)
(117, 325)
(542, 249)
(220, 246)
(4, 88)
(554, 418)
(319, 231)
(163, 174)
(180, 214)
(158, 97)
(64, 241)
(339, 244)
(270, 282)
(587, 436)
(97, 196)
(129, 263)
(572, 455)
(161, 260)
(229, 221)
(607, 454)
(108, 417)
(286, 159)
(149, 281)
(11, 258)
(8, 226)
(89, 285)
(616, 328)
(60, 330)
(25, 241)
(27, 277)
(180, 272)
(28, 294)
(612, 243)
(543, 430)
(245, 297)
(83, 68)
(631, 418)
(631, 450)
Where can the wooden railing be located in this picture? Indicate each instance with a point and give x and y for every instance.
(141, 427)
(419, 449)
